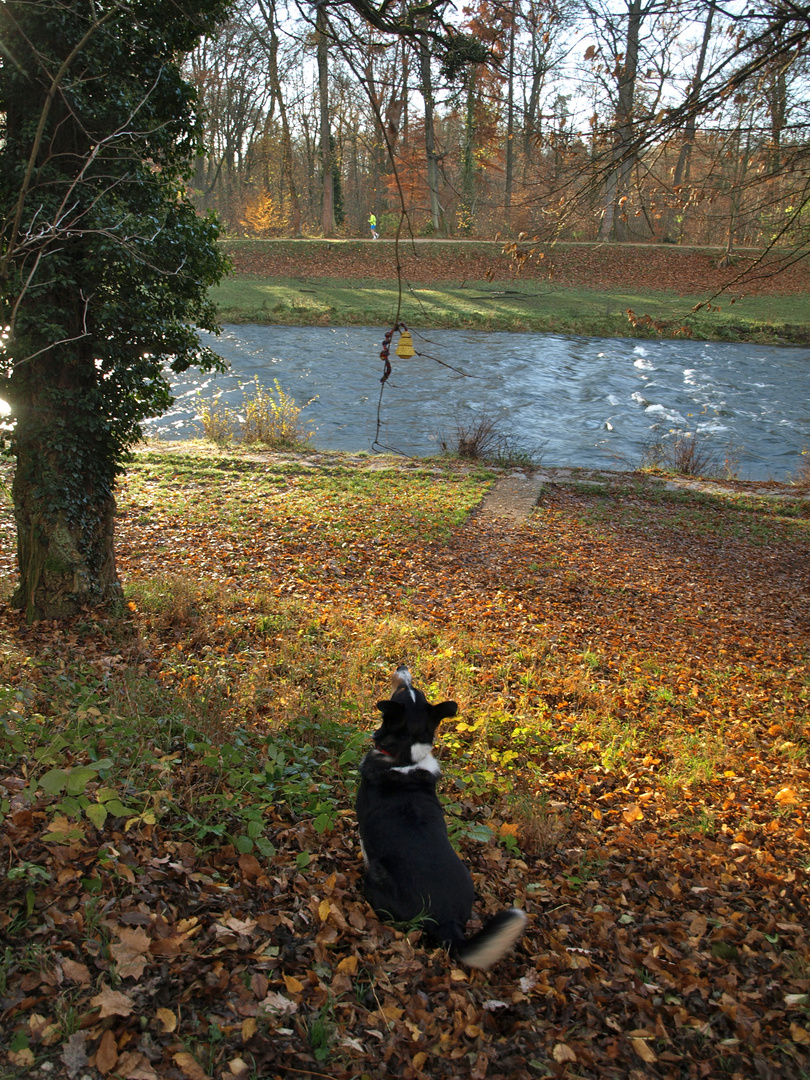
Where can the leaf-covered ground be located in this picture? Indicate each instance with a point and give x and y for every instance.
(181, 881)
(595, 266)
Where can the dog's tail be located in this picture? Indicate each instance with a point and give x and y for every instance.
(488, 945)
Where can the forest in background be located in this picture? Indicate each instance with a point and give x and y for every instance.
(612, 120)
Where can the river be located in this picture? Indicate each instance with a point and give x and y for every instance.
(584, 401)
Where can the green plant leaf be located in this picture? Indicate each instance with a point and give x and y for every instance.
(79, 778)
(54, 781)
(479, 832)
(97, 813)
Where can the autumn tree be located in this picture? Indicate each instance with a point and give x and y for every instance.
(105, 266)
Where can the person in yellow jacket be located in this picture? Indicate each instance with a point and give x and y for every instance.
(372, 220)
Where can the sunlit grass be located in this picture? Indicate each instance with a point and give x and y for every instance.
(529, 305)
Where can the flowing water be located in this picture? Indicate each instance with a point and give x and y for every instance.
(585, 401)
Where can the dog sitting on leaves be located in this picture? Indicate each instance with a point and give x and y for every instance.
(411, 869)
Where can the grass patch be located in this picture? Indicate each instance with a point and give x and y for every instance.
(760, 521)
(528, 305)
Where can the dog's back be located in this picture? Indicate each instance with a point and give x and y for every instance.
(412, 870)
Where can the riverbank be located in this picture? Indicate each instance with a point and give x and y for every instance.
(636, 291)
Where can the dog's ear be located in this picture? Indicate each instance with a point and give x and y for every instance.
(391, 710)
(443, 710)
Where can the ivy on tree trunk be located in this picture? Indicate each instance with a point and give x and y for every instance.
(104, 270)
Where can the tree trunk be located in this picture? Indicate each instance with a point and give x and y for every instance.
(271, 47)
(436, 212)
(328, 204)
(531, 127)
(62, 490)
(510, 118)
(468, 165)
(615, 223)
(684, 162)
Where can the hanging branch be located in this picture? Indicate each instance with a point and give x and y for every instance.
(385, 356)
(389, 126)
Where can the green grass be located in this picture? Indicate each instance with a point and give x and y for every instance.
(761, 521)
(527, 305)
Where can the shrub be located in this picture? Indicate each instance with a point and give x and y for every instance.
(216, 421)
(269, 417)
(479, 438)
(801, 478)
(272, 418)
(685, 453)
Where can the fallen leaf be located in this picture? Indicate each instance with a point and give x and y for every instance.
(112, 1003)
(277, 1003)
(76, 972)
(24, 1058)
(74, 1054)
(644, 1050)
(189, 1066)
(107, 1053)
(562, 1053)
(131, 952)
(786, 796)
(135, 1066)
(250, 867)
(168, 1020)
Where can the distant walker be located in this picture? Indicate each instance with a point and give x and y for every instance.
(372, 221)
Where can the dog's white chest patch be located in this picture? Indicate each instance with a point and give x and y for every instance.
(422, 757)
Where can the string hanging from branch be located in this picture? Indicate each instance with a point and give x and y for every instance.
(405, 350)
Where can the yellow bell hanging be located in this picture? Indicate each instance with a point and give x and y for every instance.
(405, 348)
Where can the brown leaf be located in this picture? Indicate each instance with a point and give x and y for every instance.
(135, 1066)
(190, 1066)
(644, 1050)
(112, 1003)
(76, 972)
(107, 1053)
(131, 952)
(250, 867)
(167, 1019)
(562, 1053)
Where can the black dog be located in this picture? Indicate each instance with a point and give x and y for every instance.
(411, 869)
